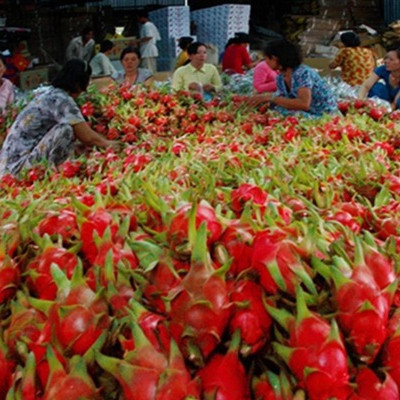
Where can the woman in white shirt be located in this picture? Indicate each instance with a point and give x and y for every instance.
(101, 64)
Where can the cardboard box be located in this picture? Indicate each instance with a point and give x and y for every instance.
(326, 51)
(119, 45)
(32, 78)
(315, 34)
(321, 64)
(323, 24)
(101, 83)
(162, 76)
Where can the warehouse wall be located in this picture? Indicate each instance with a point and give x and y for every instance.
(52, 28)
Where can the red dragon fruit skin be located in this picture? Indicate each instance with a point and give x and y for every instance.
(249, 316)
(370, 387)
(24, 385)
(153, 325)
(316, 356)
(273, 258)
(40, 280)
(381, 267)
(74, 385)
(97, 221)
(178, 232)
(79, 315)
(224, 376)
(363, 312)
(270, 386)
(245, 193)
(7, 367)
(9, 279)
(391, 356)
(62, 223)
(237, 239)
(145, 373)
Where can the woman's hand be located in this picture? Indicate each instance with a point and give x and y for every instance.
(195, 87)
(367, 85)
(115, 145)
(89, 137)
(258, 99)
(208, 87)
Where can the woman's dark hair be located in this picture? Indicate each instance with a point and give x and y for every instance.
(230, 41)
(74, 76)
(288, 54)
(193, 47)
(130, 49)
(394, 48)
(184, 42)
(106, 45)
(242, 37)
(350, 39)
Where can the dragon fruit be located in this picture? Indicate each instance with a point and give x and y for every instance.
(270, 386)
(363, 312)
(237, 240)
(278, 263)
(224, 376)
(249, 316)
(9, 279)
(145, 373)
(315, 352)
(370, 387)
(391, 356)
(75, 384)
(7, 367)
(199, 305)
(247, 193)
(178, 231)
(40, 280)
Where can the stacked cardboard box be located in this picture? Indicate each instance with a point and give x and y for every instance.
(320, 31)
(119, 45)
(391, 38)
(32, 78)
(294, 25)
(337, 9)
(172, 23)
(216, 25)
(352, 12)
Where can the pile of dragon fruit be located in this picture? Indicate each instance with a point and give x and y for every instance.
(225, 253)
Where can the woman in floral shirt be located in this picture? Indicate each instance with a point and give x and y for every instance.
(47, 127)
(357, 63)
(300, 89)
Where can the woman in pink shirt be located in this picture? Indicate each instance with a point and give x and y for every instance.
(264, 78)
(6, 88)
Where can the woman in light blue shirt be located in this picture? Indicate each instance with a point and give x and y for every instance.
(385, 80)
(300, 89)
(132, 74)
